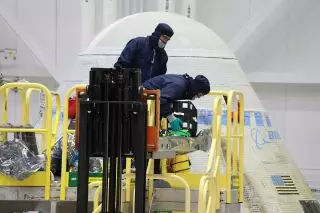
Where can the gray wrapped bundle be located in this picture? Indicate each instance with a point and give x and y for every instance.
(17, 161)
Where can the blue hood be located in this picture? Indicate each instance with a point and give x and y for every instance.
(161, 29)
(200, 84)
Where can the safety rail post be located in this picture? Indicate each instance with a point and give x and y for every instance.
(235, 131)
(4, 112)
(210, 181)
(241, 147)
(234, 141)
(128, 180)
(150, 171)
(65, 133)
(47, 125)
(58, 110)
(228, 153)
(97, 193)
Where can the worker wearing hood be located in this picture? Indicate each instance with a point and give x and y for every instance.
(147, 53)
(177, 87)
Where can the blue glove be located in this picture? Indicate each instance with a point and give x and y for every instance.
(176, 124)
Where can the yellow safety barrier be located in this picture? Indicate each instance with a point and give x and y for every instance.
(65, 133)
(46, 130)
(97, 193)
(235, 141)
(210, 181)
(166, 177)
(26, 102)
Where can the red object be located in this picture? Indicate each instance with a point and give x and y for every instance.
(72, 108)
(153, 131)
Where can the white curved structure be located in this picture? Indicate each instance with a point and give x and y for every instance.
(196, 49)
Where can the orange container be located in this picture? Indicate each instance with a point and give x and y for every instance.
(152, 99)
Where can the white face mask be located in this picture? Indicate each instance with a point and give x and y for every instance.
(161, 44)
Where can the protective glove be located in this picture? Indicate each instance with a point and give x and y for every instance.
(175, 123)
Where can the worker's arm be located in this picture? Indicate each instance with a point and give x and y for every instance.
(169, 94)
(166, 110)
(127, 56)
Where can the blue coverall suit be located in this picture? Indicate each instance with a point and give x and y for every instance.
(176, 87)
(144, 53)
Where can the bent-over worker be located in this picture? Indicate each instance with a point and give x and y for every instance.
(175, 87)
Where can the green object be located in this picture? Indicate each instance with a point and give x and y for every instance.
(176, 124)
(73, 178)
(180, 133)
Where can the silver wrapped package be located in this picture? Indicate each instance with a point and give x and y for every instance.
(17, 161)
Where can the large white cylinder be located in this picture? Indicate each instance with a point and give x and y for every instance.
(166, 5)
(87, 22)
(188, 8)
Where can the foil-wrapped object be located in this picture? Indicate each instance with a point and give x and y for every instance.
(17, 161)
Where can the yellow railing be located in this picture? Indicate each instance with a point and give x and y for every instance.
(234, 141)
(46, 129)
(209, 183)
(26, 102)
(65, 133)
(150, 177)
(4, 111)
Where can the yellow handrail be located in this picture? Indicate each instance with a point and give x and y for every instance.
(209, 182)
(235, 141)
(150, 176)
(97, 193)
(4, 110)
(47, 124)
(26, 100)
(171, 177)
(65, 140)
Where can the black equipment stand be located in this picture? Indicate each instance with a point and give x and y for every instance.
(112, 125)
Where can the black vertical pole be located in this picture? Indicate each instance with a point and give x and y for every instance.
(119, 142)
(106, 141)
(83, 165)
(105, 162)
(140, 154)
(112, 149)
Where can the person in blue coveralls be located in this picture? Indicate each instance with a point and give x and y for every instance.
(175, 87)
(147, 53)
